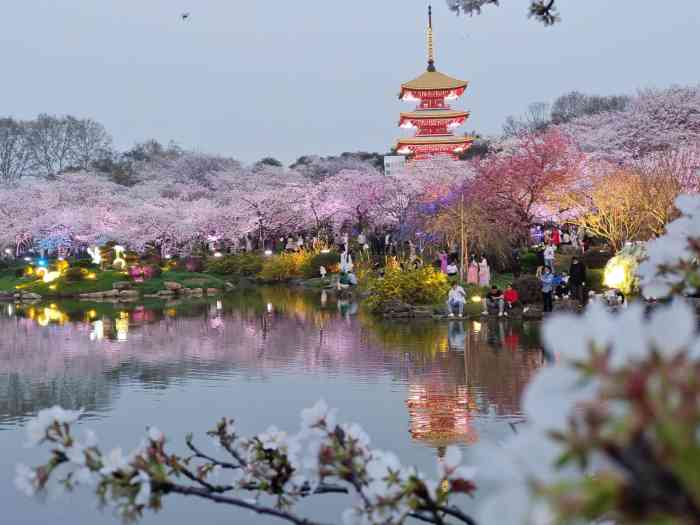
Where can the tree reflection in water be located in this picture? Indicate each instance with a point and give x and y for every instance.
(82, 354)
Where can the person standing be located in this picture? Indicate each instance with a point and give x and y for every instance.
(547, 288)
(549, 256)
(556, 236)
(516, 266)
(443, 261)
(484, 272)
(473, 272)
(577, 280)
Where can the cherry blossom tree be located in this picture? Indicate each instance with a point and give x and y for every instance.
(654, 120)
(530, 171)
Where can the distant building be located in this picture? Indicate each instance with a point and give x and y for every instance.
(433, 119)
(394, 164)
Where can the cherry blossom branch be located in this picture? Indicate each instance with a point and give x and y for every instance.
(237, 502)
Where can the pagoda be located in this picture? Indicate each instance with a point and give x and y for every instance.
(433, 118)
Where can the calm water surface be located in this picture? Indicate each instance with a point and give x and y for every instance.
(260, 357)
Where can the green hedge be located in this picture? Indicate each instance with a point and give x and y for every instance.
(528, 262)
(241, 265)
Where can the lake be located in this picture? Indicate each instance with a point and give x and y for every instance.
(259, 356)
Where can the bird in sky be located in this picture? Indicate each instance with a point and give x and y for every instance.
(185, 16)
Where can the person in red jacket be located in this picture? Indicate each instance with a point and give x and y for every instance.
(510, 297)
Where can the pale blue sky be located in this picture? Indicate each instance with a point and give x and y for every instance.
(286, 78)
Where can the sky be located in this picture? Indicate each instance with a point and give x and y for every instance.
(288, 78)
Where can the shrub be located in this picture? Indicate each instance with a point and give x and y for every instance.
(85, 263)
(596, 258)
(284, 266)
(529, 289)
(420, 286)
(528, 262)
(74, 274)
(310, 267)
(242, 265)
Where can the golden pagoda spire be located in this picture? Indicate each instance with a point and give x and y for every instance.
(431, 57)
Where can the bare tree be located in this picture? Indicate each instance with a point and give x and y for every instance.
(91, 142)
(15, 154)
(51, 142)
(575, 104)
(535, 119)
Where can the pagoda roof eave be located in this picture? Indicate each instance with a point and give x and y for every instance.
(446, 139)
(433, 80)
(434, 114)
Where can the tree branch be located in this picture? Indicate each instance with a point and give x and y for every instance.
(236, 502)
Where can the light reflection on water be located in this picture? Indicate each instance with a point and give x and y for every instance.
(260, 356)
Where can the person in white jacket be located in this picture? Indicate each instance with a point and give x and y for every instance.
(549, 256)
(457, 298)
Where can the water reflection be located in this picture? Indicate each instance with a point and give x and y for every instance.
(454, 375)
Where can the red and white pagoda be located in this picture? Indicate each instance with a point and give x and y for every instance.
(433, 118)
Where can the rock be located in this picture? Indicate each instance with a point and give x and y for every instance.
(213, 291)
(197, 291)
(172, 286)
(129, 293)
(122, 285)
(151, 295)
(111, 293)
(422, 311)
(166, 293)
(30, 296)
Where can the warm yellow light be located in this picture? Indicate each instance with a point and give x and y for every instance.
(40, 272)
(477, 327)
(50, 277)
(52, 287)
(476, 299)
(61, 265)
(92, 314)
(122, 326)
(91, 276)
(614, 276)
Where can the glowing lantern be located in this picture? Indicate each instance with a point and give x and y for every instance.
(268, 252)
(620, 271)
(476, 299)
(218, 254)
(61, 265)
(50, 277)
(95, 254)
(119, 262)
